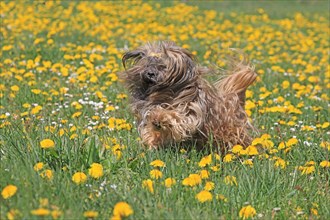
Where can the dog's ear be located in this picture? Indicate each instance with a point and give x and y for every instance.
(133, 56)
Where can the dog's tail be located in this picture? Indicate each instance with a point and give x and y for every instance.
(240, 76)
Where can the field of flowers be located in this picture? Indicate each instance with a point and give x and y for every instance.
(68, 143)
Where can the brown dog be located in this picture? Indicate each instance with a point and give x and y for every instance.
(174, 104)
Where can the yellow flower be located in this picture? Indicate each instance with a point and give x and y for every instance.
(14, 88)
(79, 177)
(192, 180)
(230, 180)
(157, 163)
(204, 196)
(207, 160)
(325, 163)
(47, 143)
(91, 214)
(252, 150)
(247, 212)
(237, 149)
(204, 174)
(47, 174)
(76, 114)
(209, 186)
(156, 174)
(9, 191)
(148, 184)
(40, 212)
(122, 209)
(13, 214)
(96, 170)
(248, 162)
(228, 158)
(56, 214)
(169, 182)
(291, 142)
(38, 166)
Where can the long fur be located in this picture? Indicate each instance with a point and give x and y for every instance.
(174, 104)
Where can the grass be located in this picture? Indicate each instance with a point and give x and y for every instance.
(60, 63)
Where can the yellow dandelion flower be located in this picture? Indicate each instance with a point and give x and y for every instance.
(237, 149)
(248, 162)
(192, 180)
(204, 196)
(14, 88)
(47, 174)
(230, 180)
(79, 177)
(169, 182)
(157, 163)
(325, 163)
(291, 142)
(38, 166)
(252, 150)
(96, 170)
(156, 174)
(204, 174)
(209, 186)
(76, 114)
(40, 212)
(13, 214)
(205, 161)
(228, 158)
(47, 143)
(91, 214)
(56, 214)
(148, 184)
(8, 191)
(122, 209)
(247, 212)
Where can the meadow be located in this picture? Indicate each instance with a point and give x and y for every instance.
(68, 143)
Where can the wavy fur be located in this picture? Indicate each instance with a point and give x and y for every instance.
(174, 104)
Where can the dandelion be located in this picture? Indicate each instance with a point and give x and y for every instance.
(192, 180)
(169, 182)
(47, 143)
(209, 186)
(8, 191)
(96, 170)
(247, 212)
(91, 214)
(204, 174)
(205, 161)
(230, 180)
(148, 184)
(14, 88)
(79, 178)
(156, 174)
(122, 209)
(47, 174)
(204, 196)
(40, 212)
(38, 166)
(157, 163)
(325, 163)
(228, 158)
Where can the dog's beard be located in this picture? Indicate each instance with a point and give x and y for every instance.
(174, 104)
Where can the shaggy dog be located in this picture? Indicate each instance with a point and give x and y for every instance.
(174, 104)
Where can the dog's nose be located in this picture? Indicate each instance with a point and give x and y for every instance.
(151, 75)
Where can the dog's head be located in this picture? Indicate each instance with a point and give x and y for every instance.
(159, 67)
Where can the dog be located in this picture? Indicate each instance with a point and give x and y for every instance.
(175, 105)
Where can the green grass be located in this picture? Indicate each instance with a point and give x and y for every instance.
(287, 42)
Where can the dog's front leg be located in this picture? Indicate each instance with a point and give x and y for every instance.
(163, 126)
